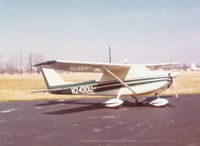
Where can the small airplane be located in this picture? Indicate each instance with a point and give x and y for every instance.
(135, 80)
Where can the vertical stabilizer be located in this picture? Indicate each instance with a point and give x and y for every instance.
(51, 78)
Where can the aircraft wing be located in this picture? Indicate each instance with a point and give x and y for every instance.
(156, 66)
(76, 66)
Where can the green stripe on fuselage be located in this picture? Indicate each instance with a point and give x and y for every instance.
(73, 85)
(115, 86)
(109, 85)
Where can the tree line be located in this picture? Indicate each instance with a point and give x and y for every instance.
(21, 64)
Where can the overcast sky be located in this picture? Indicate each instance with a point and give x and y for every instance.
(142, 31)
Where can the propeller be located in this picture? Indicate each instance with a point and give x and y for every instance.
(173, 75)
(175, 86)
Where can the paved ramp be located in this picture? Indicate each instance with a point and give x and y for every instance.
(87, 122)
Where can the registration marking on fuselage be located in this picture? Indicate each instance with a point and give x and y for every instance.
(84, 89)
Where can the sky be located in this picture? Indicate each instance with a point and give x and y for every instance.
(142, 31)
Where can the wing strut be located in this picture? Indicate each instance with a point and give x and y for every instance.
(123, 83)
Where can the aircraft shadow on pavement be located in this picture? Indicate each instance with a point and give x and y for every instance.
(55, 102)
(76, 109)
(88, 106)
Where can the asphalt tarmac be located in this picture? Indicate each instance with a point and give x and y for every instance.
(86, 122)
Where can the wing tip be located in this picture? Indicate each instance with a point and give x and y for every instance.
(45, 63)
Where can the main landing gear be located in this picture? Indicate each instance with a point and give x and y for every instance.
(114, 102)
(159, 102)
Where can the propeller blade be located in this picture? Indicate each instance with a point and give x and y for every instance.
(174, 85)
(175, 88)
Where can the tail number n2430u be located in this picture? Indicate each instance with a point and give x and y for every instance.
(82, 89)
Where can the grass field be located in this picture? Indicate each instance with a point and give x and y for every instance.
(19, 87)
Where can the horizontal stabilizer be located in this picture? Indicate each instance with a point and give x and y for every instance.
(160, 65)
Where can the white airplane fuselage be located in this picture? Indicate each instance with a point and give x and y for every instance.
(140, 86)
(132, 80)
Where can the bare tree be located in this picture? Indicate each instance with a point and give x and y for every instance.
(34, 59)
(37, 59)
(30, 63)
(184, 67)
(1, 66)
(9, 66)
(14, 61)
(20, 63)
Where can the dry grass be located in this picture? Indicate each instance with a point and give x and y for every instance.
(19, 87)
(187, 83)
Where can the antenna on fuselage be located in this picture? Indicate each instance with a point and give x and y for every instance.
(110, 60)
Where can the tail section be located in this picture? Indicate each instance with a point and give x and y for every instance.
(52, 78)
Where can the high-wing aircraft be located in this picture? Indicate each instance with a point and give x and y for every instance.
(135, 80)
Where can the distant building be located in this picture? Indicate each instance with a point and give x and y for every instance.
(193, 67)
